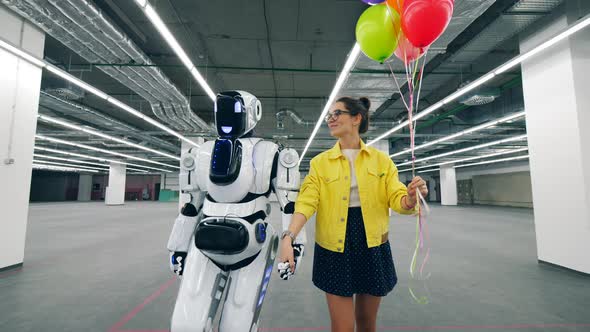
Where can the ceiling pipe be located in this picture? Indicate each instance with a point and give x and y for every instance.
(83, 28)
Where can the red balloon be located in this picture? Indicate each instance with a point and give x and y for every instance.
(423, 21)
(406, 51)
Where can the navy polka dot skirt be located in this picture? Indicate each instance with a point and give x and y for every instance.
(359, 269)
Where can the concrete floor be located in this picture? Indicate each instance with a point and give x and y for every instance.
(89, 267)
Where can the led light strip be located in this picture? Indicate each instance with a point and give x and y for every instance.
(492, 123)
(99, 134)
(581, 24)
(82, 162)
(88, 147)
(153, 16)
(37, 161)
(68, 160)
(471, 148)
(350, 61)
(467, 159)
(493, 161)
(480, 163)
(62, 169)
(72, 154)
(63, 74)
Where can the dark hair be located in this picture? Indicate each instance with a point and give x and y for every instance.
(358, 106)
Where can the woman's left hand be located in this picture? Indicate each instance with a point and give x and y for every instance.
(417, 183)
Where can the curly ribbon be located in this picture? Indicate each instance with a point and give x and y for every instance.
(414, 74)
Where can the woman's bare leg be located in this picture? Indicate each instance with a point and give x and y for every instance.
(341, 312)
(366, 307)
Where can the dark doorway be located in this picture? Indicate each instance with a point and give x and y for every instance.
(157, 192)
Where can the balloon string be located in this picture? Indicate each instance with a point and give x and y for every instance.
(398, 87)
(412, 75)
(420, 78)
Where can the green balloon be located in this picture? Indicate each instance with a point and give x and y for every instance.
(377, 32)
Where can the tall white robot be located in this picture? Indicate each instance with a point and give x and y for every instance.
(223, 243)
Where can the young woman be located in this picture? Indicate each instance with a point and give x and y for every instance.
(351, 187)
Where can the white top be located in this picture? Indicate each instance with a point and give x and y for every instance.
(355, 200)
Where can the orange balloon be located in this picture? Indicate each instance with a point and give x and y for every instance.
(398, 5)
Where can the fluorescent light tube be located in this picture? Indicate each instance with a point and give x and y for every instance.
(79, 155)
(350, 61)
(99, 134)
(88, 147)
(68, 77)
(581, 24)
(21, 54)
(489, 124)
(62, 169)
(429, 170)
(493, 161)
(69, 165)
(153, 16)
(36, 155)
(467, 159)
(471, 148)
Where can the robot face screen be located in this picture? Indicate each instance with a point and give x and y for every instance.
(230, 116)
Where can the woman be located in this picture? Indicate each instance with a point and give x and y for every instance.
(351, 187)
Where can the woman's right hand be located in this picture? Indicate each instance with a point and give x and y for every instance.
(286, 254)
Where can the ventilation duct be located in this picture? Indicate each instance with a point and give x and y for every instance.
(80, 26)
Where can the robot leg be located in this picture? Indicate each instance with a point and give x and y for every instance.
(247, 289)
(199, 295)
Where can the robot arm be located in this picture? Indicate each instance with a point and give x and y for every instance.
(190, 214)
(285, 185)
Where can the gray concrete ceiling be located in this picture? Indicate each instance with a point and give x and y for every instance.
(232, 42)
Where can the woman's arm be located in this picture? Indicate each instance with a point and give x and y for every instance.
(297, 222)
(397, 193)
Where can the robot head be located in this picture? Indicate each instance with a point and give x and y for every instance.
(236, 113)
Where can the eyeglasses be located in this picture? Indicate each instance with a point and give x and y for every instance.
(334, 115)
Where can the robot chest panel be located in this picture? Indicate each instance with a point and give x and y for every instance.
(232, 174)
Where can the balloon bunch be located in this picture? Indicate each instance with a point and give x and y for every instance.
(406, 29)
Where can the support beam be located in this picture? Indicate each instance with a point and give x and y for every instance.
(115, 194)
(20, 82)
(448, 185)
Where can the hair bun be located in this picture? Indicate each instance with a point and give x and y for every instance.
(365, 102)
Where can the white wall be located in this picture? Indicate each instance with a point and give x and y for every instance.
(507, 189)
(20, 83)
(557, 101)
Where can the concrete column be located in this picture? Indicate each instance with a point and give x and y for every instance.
(557, 102)
(448, 185)
(184, 148)
(84, 187)
(115, 193)
(20, 83)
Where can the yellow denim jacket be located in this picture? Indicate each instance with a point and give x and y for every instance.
(326, 190)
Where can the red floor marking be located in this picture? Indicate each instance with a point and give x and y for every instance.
(10, 272)
(136, 310)
(423, 328)
(143, 330)
(167, 284)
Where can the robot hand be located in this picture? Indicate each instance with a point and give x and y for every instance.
(284, 268)
(176, 261)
